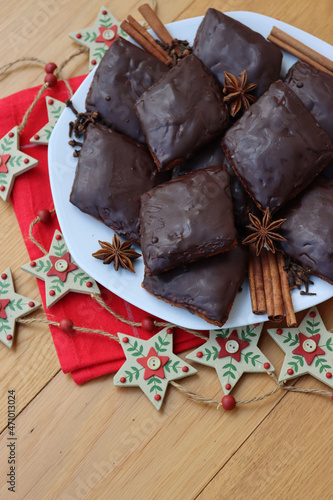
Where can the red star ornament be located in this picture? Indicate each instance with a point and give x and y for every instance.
(231, 346)
(3, 161)
(153, 364)
(308, 347)
(3, 303)
(107, 35)
(61, 266)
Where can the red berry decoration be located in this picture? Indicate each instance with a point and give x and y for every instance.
(122, 380)
(66, 325)
(312, 314)
(169, 330)
(44, 215)
(266, 366)
(157, 397)
(328, 375)
(36, 137)
(2, 188)
(290, 371)
(50, 79)
(50, 67)
(31, 304)
(228, 402)
(148, 324)
(228, 387)
(4, 276)
(9, 337)
(185, 369)
(279, 331)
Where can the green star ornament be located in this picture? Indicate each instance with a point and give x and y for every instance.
(151, 365)
(233, 352)
(60, 272)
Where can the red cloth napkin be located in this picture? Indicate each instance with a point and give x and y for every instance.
(85, 356)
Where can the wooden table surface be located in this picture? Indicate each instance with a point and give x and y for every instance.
(97, 442)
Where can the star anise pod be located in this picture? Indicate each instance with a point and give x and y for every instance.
(120, 254)
(237, 92)
(264, 232)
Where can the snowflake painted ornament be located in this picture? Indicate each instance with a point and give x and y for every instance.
(99, 37)
(232, 353)
(12, 307)
(151, 365)
(54, 110)
(308, 348)
(13, 162)
(60, 272)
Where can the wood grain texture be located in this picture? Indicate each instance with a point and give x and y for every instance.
(102, 442)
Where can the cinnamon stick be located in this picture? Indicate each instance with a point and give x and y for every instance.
(300, 50)
(141, 40)
(288, 305)
(156, 24)
(272, 286)
(256, 283)
(140, 29)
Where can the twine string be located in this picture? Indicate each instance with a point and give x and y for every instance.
(7, 66)
(31, 236)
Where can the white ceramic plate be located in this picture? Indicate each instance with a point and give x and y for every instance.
(82, 232)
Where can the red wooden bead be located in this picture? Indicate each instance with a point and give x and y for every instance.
(228, 402)
(9, 337)
(44, 215)
(290, 371)
(148, 324)
(185, 369)
(2, 188)
(328, 375)
(4, 276)
(31, 304)
(50, 67)
(157, 397)
(89, 284)
(312, 314)
(122, 380)
(266, 366)
(279, 331)
(228, 387)
(66, 325)
(51, 79)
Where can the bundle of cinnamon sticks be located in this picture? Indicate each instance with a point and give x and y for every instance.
(269, 286)
(300, 50)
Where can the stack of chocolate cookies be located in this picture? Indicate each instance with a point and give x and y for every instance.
(169, 168)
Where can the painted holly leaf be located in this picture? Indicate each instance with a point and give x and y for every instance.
(12, 307)
(13, 162)
(308, 349)
(151, 365)
(60, 272)
(232, 353)
(99, 37)
(54, 110)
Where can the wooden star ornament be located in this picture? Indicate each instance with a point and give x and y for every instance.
(60, 272)
(12, 307)
(151, 365)
(54, 110)
(98, 38)
(233, 352)
(308, 348)
(13, 162)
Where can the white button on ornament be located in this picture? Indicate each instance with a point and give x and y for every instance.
(108, 35)
(154, 363)
(232, 346)
(61, 265)
(309, 345)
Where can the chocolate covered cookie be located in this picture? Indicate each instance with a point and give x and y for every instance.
(187, 219)
(182, 113)
(112, 173)
(124, 73)
(206, 288)
(277, 147)
(224, 44)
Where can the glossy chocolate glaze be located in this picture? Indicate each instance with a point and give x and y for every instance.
(224, 44)
(213, 155)
(309, 228)
(124, 73)
(182, 113)
(315, 89)
(206, 288)
(112, 173)
(187, 219)
(277, 147)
